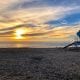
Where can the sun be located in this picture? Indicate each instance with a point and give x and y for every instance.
(19, 33)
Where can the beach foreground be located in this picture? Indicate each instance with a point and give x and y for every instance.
(39, 64)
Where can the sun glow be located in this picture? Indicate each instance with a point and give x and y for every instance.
(19, 33)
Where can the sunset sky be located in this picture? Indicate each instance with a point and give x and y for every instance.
(39, 20)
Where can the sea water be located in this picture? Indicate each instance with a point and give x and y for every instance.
(32, 44)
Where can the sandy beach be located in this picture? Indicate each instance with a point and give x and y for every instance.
(39, 64)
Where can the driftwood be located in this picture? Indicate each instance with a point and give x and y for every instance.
(76, 43)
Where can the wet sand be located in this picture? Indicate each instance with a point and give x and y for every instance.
(39, 64)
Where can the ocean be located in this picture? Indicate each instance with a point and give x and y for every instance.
(32, 44)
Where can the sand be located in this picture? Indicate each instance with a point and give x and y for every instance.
(39, 64)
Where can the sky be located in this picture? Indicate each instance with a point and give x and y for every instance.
(41, 20)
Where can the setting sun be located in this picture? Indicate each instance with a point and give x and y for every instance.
(19, 33)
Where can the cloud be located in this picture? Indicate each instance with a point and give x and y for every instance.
(32, 13)
(43, 31)
(35, 14)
